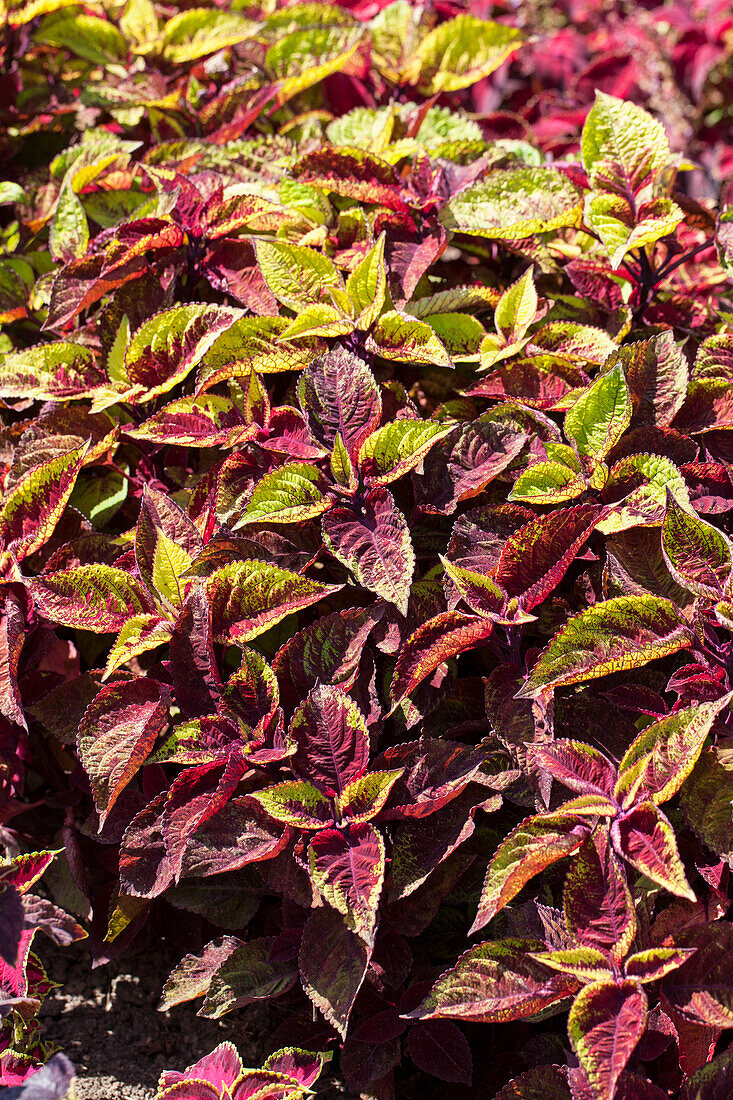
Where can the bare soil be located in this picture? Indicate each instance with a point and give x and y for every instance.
(106, 1021)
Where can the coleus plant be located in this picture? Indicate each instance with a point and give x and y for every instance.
(365, 376)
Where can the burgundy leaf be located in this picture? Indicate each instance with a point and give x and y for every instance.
(332, 739)
(440, 1048)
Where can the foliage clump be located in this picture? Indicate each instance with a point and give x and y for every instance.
(366, 622)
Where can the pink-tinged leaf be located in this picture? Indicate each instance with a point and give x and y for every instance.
(447, 635)
(193, 798)
(247, 975)
(363, 798)
(333, 963)
(327, 651)
(332, 739)
(347, 868)
(440, 1048)
(252, 691)
(13, 630)
(606, 1022)
(50, 372)
(296, 803)
(353, 174)
(464, 463)
(84, 281)
(117, 734)
(25, 870)
(371, 538)
(613, 636)
(238, 834)
(99, 598)
(494, 983)
(408, 260)
(697, 554)
(208, 420)
(167, 347)
(145, 869)
(701, 990)
(160, 514)
(576, 765)
(12, 920)
(479, 536)
(540, 1083)
(534, 845)
(304, 1066)
(219, 1069)
(418, 851)
(339, 396)
(657, 376)
(658, 762)
(193, 974)
(194, 1089)
(14, 978)
(599, 910)
(248, 597)
(31, 510)
(644, 838)
(434, 772)
(655, 962)
(534, 559)
(195, 674)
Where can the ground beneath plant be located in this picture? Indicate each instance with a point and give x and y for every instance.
(106, 1021)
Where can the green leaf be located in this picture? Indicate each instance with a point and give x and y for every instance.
(622, 146)
(547, 483)
(10, 193)
(97, 40)
(68, 235)
(658, 762)
(461, 52)
(512, 203)
(623, 633)
(307, 57)
(253, 344)
(697, 554)
(461, 334)
(296, 803)
(170, 562)
(706, 799)
(640, 484)
(31, 510)
(586, 963)
(248, 597)
(601, 415)
(140, 634)
(367, 285)
(399, 336)
(363, 798)
(318, 320)
(622, 227)
(292, 493)
(297, 276)
(394, 449)
(200, 31)
(516, 308)
(534, 845)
